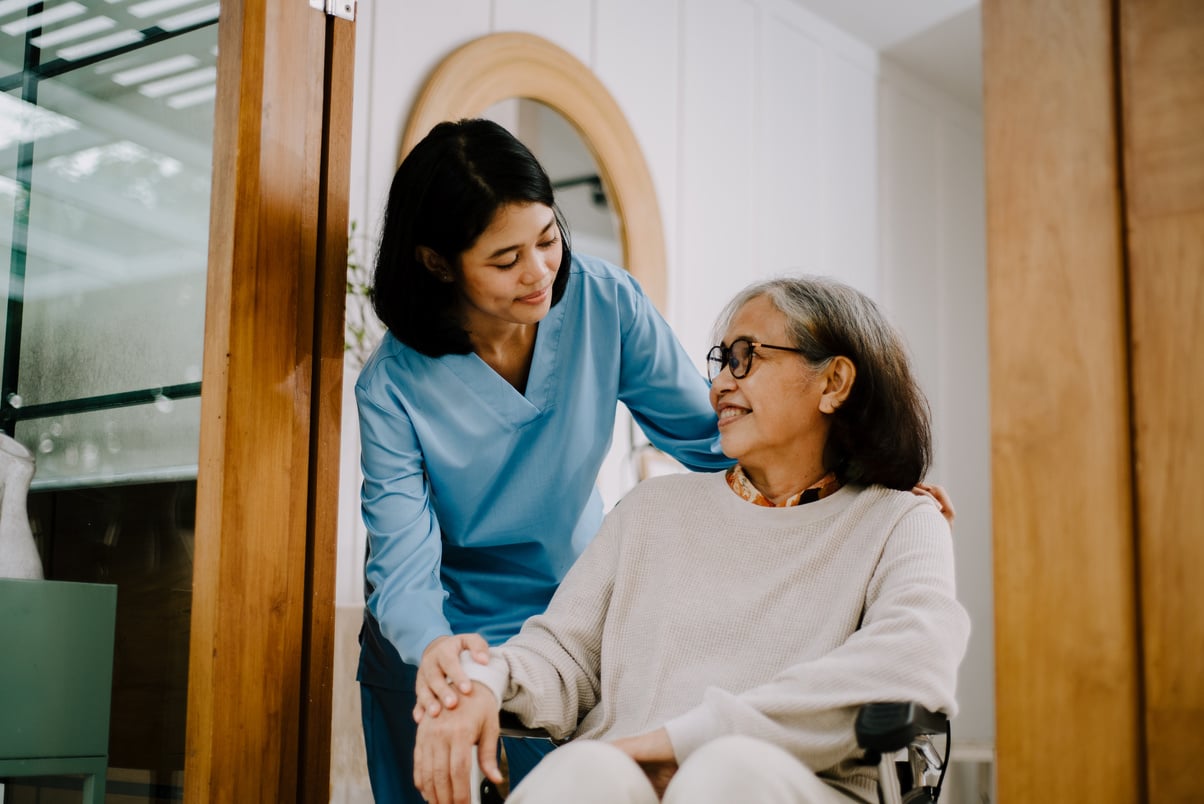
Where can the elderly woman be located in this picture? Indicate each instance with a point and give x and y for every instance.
(715, 640)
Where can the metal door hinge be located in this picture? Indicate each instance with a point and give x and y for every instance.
(339, 8)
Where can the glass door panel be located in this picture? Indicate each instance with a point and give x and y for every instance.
(106, 132)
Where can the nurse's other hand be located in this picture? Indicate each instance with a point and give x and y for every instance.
(942, 499)
(440, 674)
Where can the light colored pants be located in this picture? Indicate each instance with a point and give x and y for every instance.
(730, 769)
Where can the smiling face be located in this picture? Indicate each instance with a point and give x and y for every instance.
(506, 276)
(771, 419)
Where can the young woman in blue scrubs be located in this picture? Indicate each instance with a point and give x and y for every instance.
(485, 415)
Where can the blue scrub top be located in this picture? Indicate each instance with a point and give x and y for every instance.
(478, 498)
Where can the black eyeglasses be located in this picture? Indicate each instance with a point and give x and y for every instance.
(738, 357)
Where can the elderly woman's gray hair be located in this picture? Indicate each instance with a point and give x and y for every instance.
(881, 434)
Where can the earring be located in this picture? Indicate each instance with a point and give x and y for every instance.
(433, 263)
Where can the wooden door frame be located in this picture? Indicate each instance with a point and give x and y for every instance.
(261, 651)
(1095, 201)
(1066, 638)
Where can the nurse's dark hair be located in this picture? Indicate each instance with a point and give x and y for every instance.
(444, 195)
(881, 434)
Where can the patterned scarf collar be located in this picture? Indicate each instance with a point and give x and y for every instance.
(739, 483)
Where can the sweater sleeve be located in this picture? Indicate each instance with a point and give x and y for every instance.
(553, 664)
(403, 571)
(912, 637)
(664, 391)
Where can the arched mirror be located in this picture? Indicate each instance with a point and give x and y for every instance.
(483, 77)
(576, 177)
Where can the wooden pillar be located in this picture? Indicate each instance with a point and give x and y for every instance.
(263, 587)
(1162, 72)
(1067, 665)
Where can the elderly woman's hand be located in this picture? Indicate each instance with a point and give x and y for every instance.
(942, 499)
(440, 674)
(653, 751)
(446, 747)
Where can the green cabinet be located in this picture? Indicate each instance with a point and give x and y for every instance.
(56, 676)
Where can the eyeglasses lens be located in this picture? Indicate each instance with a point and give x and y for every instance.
(737, 358)
(740, 358)
(715, 361)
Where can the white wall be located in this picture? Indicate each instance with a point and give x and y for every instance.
(776, 143)
(933, 256)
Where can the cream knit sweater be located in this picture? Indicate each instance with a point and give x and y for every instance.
(700, 612)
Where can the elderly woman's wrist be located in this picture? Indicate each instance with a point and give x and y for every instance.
(495, 675)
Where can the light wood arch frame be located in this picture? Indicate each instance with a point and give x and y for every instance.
(500, 66)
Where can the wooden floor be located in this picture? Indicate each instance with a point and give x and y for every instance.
(348, 769)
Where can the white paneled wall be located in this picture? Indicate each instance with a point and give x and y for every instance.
(850, 168)
(398, 43)
(777, 154)
(569, 25)
(717, 207)
(641, 66)
(776, 143)
(933, 258)
(790, 94)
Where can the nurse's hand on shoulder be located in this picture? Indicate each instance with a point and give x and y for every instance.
(942, 499)
(440, 675)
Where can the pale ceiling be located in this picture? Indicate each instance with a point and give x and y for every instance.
(938, 40)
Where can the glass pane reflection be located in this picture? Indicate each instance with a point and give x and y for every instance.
(113, 160)
(115, 446)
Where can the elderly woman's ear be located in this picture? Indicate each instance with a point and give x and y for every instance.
(838, 376)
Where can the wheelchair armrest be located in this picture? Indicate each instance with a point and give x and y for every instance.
(511, 726)
(887, 727)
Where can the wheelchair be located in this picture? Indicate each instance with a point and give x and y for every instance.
(884, 731)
